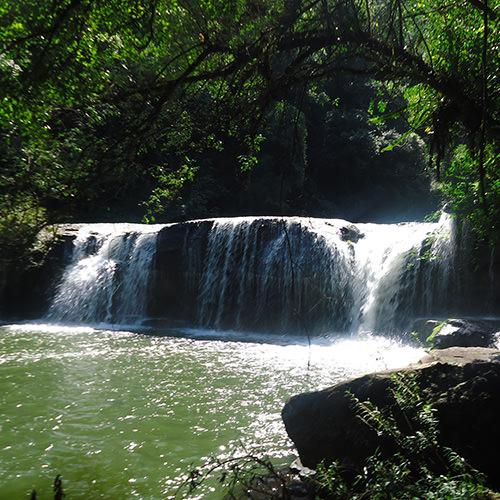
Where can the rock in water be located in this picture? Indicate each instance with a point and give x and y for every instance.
(457, 333)
(462, 383)
(350, 232)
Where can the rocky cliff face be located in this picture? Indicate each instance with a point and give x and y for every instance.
(233, 273)
(26, 290)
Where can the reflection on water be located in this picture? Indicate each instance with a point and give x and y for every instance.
(123, 415)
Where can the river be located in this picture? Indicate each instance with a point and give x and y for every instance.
(124, 415)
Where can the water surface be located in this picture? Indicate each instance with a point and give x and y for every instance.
(123, 415)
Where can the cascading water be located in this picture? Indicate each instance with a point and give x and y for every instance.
(261, 274)
(108, 278)
(272, 273)
(385, 257)
(321, 275)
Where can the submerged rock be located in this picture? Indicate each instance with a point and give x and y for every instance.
(457, 333)
(462, 383)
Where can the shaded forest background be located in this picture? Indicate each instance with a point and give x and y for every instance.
(160, 110)
(324, 158)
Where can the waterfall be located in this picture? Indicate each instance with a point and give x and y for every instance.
(382, 259)
(274, 274)
(393, 259)
(290, 274)
(108, 278)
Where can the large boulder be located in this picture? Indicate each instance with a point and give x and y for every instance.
(462, 383)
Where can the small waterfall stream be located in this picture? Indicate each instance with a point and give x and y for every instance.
(108, 278)
(261, 274)
(382, 257)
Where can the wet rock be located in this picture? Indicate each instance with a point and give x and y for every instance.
(457, 333)
(172, 273)
(350, 233)
(279, 483)
(462, 383)
(28, 289)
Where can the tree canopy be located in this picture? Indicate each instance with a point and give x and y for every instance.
(96, 96)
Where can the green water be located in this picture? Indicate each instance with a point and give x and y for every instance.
(123, 415)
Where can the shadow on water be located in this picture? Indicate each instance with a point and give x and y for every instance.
(166, 330)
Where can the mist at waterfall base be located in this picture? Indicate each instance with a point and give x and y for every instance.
(124, 415)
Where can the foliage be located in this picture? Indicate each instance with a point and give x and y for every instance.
(435, 331)
(169, 186)
(461, 187)
(243, 476)
(419, 467)
(103, 104)
(57, 487)
(20, 220)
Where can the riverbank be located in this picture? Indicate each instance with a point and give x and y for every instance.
(433, 422)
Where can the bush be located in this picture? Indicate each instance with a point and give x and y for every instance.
(21, 218)
(420, 467)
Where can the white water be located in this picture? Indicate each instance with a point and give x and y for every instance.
(264, 274)
(382, 263)
(108, 277)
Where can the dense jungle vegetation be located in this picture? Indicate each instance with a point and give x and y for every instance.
(168, 109)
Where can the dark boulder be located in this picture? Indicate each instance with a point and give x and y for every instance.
(462, 383)
(350, 233)
(457, 333)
